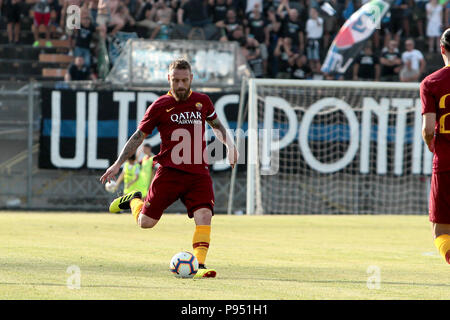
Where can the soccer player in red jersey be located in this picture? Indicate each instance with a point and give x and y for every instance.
(183, 173)
(435, 96)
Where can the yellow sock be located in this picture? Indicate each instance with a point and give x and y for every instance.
(200, 242)
(442, 243)
(136, 206)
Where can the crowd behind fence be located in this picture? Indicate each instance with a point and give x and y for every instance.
(279, 38)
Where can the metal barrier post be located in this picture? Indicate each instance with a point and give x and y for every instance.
(30, 143)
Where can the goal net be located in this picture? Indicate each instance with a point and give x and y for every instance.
(335, 147)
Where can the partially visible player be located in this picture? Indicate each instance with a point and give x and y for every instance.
(148, 168)
(180, 117)
(435, 96)
(130, 175)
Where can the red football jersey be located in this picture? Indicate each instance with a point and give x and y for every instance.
(435, 96)
(181, 125)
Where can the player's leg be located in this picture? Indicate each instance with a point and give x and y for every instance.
(133, 201)
(164, 190)
(202, 234)
(439, 213)
(441, 234)
(199, 201)
(201, 241)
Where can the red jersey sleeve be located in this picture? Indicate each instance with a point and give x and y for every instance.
(427, 98)
(151, 119)
(210, 111)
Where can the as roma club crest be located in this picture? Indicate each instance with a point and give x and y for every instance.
(198, 105)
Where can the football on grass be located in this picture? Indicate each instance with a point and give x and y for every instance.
(184, 265)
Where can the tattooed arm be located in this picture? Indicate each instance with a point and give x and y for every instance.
(221, 133)
(130, 148)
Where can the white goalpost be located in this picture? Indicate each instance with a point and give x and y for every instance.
(335, 147)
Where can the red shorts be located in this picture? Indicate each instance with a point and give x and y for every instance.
(440, 198)
(41, 18)
(169, 185)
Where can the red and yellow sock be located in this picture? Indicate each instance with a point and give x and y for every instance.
(136, 206)
(442, 243)
(200, 242)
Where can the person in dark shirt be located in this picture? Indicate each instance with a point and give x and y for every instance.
(300, 69)
(367, 66)
(252, 53)
(286, 55)
(194, 13)
(256, 25)
(218, 9)
(294, 29)
(12, 10)
(82, 39)
(391, 62)
(78, 71)
(229, 26)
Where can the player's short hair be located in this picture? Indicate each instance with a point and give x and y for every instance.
(147, 145)
(180, 64)
(445, 39)
(132, 157)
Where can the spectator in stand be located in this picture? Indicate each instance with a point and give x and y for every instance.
(383, 34)
(294, 29)
(286, 55)
(41, 13)
(112, 17)
(300, 69)
(93, 10)
(163, 12)
(145, 16)
(447, 15)
(274, 28)
(250, 5)
(330, 25)
(268, 4)
(130, 22)
(396, 24)
(256, 25)
(82, 39)
(256, 28)
(413, 63)
(434, 24)
(391, 62)
(273, 33)
(314, 33)
(174, 5)
(163, 29)
(12, 10)
(218, 9)
(77, 71)
(160, 21)
(132, 6)
(194, 13)
(55, 17)
(252, 53)
(283, 8)
(407, 6)
(367, 66)
(419, 16)
(229, 25)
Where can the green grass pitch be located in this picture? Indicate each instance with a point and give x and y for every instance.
(257, 257)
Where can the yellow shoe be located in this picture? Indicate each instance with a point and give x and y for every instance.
(204, 272)
(123, 202)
